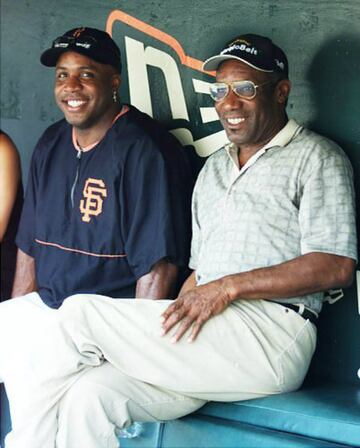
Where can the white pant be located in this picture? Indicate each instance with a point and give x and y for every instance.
(61, 389)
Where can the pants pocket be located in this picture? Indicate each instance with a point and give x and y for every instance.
(294, 360)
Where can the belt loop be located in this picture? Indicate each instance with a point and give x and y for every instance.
(301, 308)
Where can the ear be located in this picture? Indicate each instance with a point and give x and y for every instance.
(282, 91)
(116, 81)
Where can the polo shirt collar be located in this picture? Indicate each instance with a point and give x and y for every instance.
(282, 138)
(285, 135)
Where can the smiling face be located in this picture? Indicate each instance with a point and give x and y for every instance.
(250, 124)
(84, 90)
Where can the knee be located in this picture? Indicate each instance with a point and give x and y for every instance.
(71, 309)
(77, 305)
(71, 302)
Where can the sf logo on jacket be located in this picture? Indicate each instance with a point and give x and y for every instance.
(92, 204)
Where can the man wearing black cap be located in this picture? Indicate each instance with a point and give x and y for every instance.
(286, 193)
(107, 206)
(273, 226)
(106, 209)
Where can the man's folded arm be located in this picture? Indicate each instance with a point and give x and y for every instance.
(25, 280)
(159, 283)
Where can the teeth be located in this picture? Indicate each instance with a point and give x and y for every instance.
(75, 103)
(235, 120)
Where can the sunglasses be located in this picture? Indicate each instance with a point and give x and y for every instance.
(243, 89)
(81, 41)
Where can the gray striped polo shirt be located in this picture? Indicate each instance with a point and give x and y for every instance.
(292, 197)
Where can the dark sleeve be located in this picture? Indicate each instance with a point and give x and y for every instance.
(26, 231)
(155, 199)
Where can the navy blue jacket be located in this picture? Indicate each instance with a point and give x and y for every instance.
(99, 223)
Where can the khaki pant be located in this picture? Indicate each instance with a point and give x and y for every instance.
(76, 374)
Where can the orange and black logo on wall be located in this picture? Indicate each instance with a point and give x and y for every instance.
(165, 82)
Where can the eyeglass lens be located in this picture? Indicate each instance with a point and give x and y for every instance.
(243, 89)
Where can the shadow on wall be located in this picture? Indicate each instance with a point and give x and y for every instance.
(334, 77)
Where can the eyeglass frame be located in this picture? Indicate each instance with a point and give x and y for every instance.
(230, 85)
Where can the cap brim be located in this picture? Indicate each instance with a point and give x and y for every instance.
(214, 62)
(50, 57)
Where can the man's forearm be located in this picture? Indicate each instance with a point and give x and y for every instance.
(24, 281)
(303, 275)
(159, 283)
(306, 274)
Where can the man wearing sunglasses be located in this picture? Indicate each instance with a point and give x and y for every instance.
(273, 211)
(273, 227)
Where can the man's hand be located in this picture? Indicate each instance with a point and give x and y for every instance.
(194, 308)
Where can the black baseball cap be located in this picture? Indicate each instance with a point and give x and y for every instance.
(256, 51)
(91, 42)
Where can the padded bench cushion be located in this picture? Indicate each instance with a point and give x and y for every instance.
(328, 412)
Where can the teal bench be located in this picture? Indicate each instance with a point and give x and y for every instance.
(325, 412)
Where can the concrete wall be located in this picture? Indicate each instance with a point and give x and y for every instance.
(322, 40)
